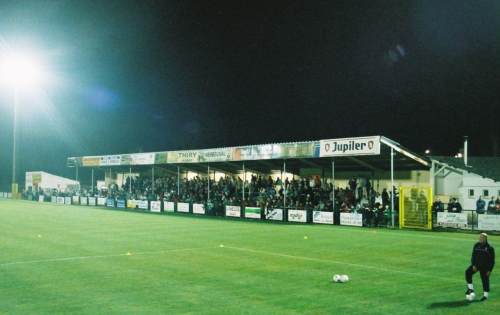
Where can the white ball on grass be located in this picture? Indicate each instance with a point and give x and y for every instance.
(344, 278)
(336, 278)
(470, 297)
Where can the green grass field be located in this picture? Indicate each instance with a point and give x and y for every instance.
(82, 260)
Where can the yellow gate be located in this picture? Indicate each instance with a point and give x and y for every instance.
(415, 207)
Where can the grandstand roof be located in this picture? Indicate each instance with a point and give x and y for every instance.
(350, 154)
(488, 167)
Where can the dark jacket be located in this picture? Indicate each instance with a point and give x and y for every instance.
(483, 256)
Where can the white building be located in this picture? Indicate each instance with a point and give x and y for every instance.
(46, 181)
(452, 178)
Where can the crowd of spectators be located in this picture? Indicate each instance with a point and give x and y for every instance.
(265, 192)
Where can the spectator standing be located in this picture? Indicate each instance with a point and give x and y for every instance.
(454, 206)
(480, 205)
(491, 206)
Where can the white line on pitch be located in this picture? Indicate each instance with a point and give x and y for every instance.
(338, 262)
(98, 256)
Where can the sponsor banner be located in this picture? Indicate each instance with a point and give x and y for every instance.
(252, 212)
(92, 201)
(109, 160)
(253, 152)
(293, 150)
(169, 206)
(67, 200)
(53, 199)
(182, 157)
(101, 201)
(91, 161)
(198, 208)
(121, 203)
(110, 202)
(138, 159)
(355, 219)
(161, 157)
(450, 219)
(233, 211)
(60, 200)
(155, 206)
(76, 200)
(83, 201)
(242, 153)
(215, 155)
(297, 216)
(132, 203)
(143, 204)
(182, 207)
(41, 198)
(350, 146)
(488, 222)
(9, 195)
(274, 214)
(323, 217)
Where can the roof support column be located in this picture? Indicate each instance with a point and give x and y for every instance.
(178, 182)
(284, 186)
(392, 187)
(244, 180)
(333, 185)
(208, 186)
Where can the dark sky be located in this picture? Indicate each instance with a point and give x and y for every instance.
(162, 75)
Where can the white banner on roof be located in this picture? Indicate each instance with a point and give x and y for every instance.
(109, 160)
(350, 146)
(142, 158)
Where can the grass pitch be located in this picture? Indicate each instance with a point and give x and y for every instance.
(82, 260)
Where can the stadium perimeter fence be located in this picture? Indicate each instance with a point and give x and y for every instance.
(468, 220)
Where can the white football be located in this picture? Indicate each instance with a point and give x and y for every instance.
(337, 278)
(470, 297)
(344, 278)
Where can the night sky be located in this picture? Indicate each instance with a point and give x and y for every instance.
(145, 76)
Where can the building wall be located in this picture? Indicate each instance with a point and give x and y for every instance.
(466, 187)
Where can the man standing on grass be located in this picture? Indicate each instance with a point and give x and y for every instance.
(482, 260)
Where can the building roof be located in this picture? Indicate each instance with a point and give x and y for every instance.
(488, 167)
(372, 153)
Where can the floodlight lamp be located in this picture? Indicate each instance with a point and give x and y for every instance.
(20, 70)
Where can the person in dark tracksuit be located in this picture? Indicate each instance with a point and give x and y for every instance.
(482, 260)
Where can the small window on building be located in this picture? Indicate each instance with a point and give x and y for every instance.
(471, 192)
(486, 193)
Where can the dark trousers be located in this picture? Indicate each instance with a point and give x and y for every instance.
(484, 278)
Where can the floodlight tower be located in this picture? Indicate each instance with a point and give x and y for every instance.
(18, 71)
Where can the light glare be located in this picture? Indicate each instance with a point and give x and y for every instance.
(20, 71)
